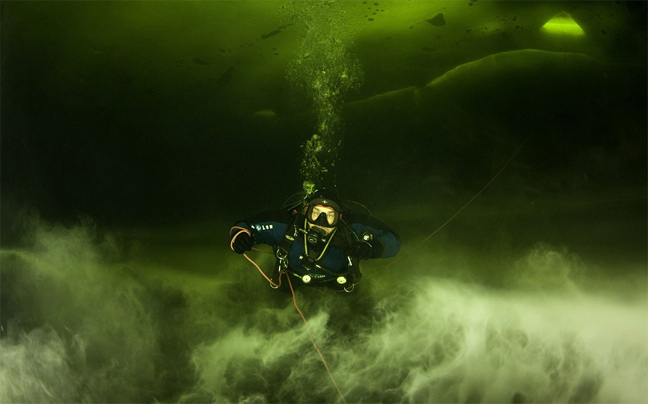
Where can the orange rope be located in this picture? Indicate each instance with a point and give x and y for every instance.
(310, 335)
(244, 230)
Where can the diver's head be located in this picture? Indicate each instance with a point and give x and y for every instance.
(323, 210)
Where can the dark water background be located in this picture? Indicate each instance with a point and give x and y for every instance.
(132, 139)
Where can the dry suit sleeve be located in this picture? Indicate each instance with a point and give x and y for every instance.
(386, 243)
(266, 227)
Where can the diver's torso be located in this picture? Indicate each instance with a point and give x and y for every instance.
(321, 264)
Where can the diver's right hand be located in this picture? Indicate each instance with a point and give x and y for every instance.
(242, 241)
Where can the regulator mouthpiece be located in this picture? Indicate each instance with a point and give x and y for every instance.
(314, 235)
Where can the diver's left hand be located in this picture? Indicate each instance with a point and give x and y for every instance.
(361, 250)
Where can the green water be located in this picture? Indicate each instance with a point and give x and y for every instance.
(135, 133)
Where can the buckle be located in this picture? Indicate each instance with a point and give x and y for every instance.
(281, 254)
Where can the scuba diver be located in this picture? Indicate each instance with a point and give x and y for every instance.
(318, 242)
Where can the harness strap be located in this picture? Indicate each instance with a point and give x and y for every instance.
(282, 250)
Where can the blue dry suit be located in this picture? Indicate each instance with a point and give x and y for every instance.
(325, 263)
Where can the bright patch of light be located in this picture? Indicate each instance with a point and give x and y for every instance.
(563, 24)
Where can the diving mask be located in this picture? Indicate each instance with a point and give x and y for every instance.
(323, 212)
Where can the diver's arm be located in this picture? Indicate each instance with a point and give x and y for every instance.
(384, 241)
(265, 227)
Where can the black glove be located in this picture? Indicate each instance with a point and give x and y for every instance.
(242, 242)
(361, 250)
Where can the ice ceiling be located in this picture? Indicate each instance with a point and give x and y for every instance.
(160, 97)
(233, 54)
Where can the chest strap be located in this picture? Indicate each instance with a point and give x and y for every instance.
(292, 232)
(281, 250)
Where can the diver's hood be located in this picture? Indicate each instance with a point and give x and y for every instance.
(324, 197)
